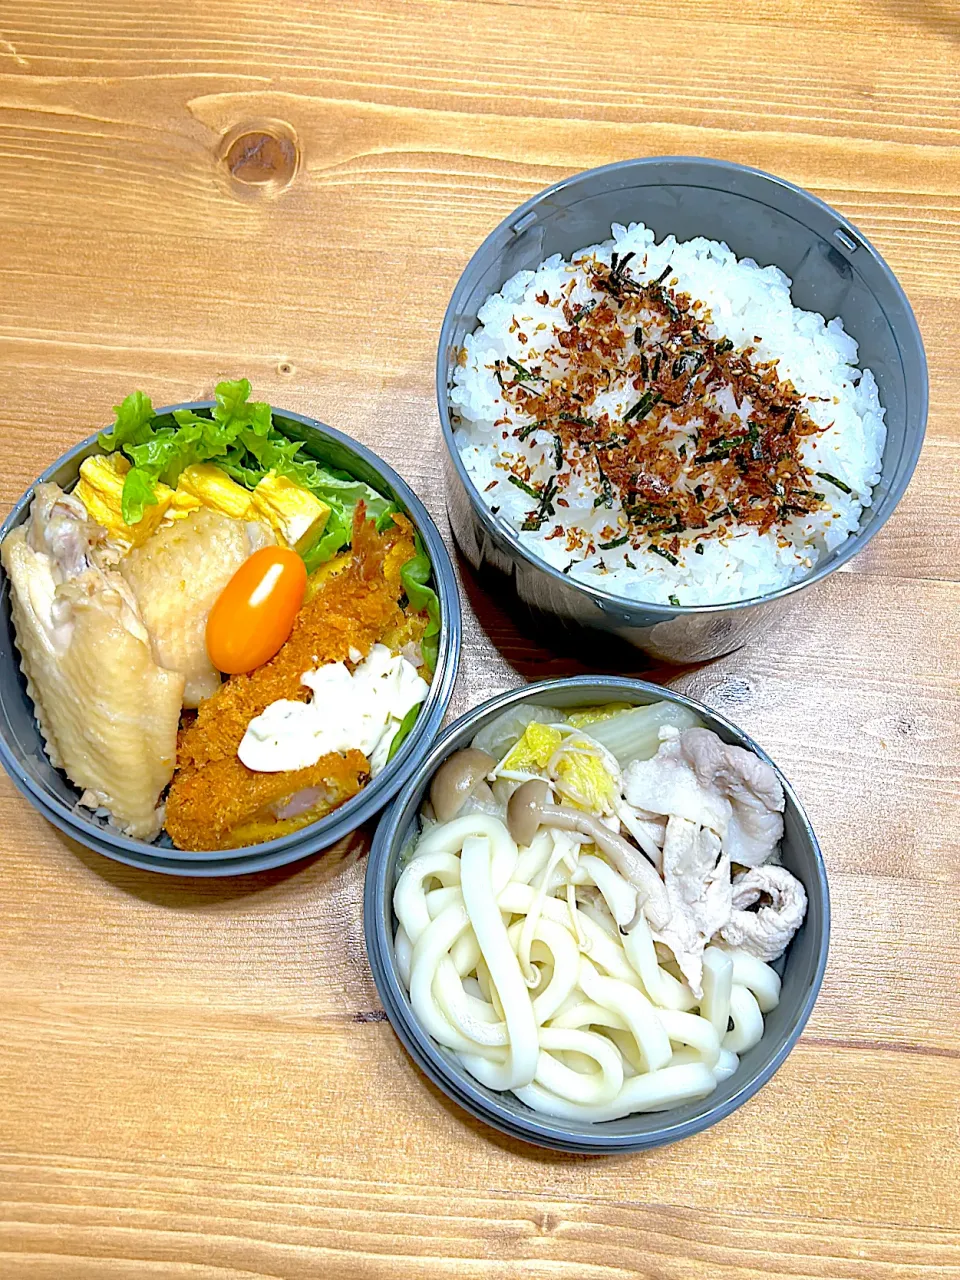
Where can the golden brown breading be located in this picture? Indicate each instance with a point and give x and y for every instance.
(214, 798)
(350, 611)
(226, 805)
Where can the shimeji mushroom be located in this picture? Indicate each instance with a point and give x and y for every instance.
(461, 776)
(529, 809)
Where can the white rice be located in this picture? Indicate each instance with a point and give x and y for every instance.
(747, 303)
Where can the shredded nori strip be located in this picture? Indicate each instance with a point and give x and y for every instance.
(825, 475)
(524, 375)
(688, 362)
(606, 496)
(522, 484)
(643, 405)
(614, 542)
(662, 551)
(721, 448)
(619, 265)
(671, 307)
(615, 442)
(545, 508)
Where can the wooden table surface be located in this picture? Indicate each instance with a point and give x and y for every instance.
(195, 1076)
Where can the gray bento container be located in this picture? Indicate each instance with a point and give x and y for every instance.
(801, 968)
(48, 789)
(834, 270)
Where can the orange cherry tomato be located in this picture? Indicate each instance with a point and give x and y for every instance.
(254, 613)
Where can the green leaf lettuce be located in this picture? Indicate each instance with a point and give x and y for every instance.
(239, 436)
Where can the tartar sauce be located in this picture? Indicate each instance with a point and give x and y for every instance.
(359, 710)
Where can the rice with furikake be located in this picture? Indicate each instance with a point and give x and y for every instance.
(658, 421)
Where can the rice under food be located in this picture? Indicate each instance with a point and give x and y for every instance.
(660, 422)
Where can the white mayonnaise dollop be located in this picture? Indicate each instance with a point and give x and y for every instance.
(361, 710)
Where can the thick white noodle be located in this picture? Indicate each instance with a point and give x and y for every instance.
(562, 949)
(587, 1013)
(594, 1089)
(653, 1091)
(438, 900)
(634, 1008)
(532, 860)
(550, 996)
(429, 951)
(601, 917)
(662, 987)
(692, 1030)
(465, 953)
(632, 1062)
(476, 1019)
(561, 846)
(619, 896)
(717, 985)
(757, 977)
(726, 1065)
(403, 954)
(747, 1020)
(448, 837)
(479, 896)
(409, 897)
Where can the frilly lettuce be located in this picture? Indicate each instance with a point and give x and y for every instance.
(239, 436)
(415, 576)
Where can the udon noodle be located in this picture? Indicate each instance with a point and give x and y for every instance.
(537, 966)
(597, 1028)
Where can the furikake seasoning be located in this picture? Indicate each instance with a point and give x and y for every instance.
(701, 435)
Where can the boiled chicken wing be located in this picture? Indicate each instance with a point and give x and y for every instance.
(107, 712)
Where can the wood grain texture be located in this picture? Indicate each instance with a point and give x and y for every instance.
(195, 1077)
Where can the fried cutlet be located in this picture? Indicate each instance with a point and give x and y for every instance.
(215, 800)
(225, 805)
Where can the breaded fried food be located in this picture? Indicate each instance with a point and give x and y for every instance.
(225, 805)
(215, 801)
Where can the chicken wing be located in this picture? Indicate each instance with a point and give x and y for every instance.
(107, 712)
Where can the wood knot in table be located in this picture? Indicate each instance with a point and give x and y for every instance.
(260, 158)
